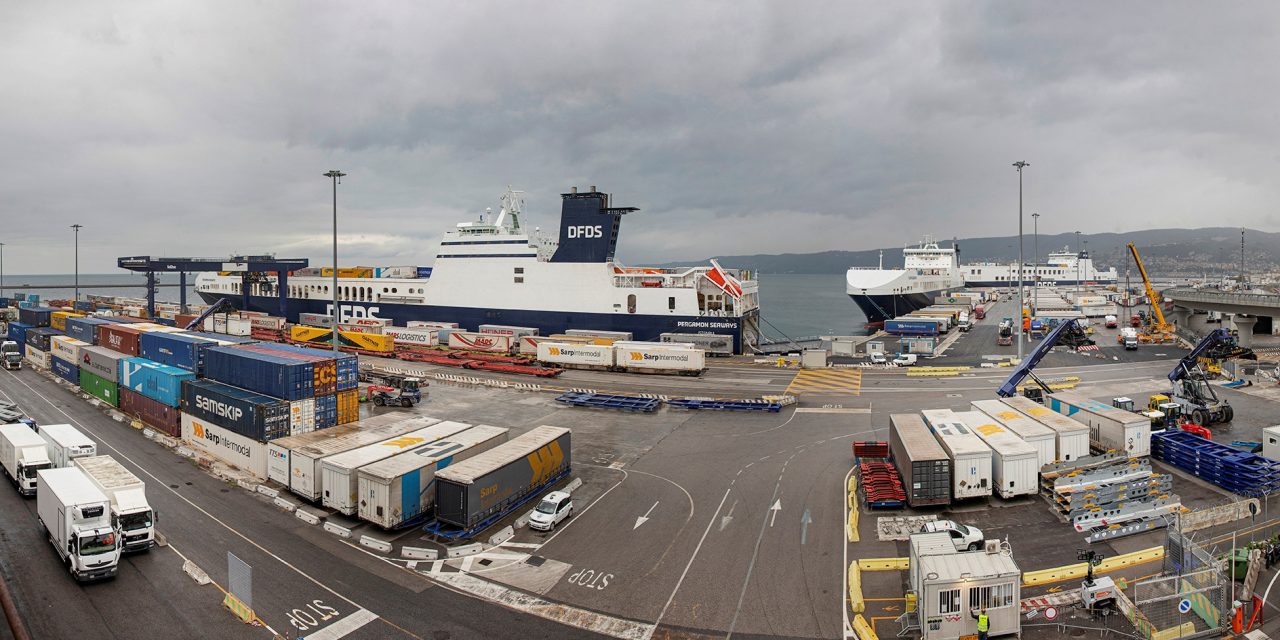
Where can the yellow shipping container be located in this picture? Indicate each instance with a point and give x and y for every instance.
(348, 406)
(364, 341)
(347, 272)
(58, 319)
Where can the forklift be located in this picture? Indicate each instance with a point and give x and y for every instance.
(392, 389)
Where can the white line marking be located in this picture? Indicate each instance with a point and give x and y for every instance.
(645, 518)
(693, 557)
(344, 626)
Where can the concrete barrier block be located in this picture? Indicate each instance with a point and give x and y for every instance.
(418, 553)
(522, 520)
(375, 544)
(268, 491)
(149, 434)
(307, 516)
(337, 530)
(117, 416)
(186, 452)
(196, 573)
(502, 536)
(464, 550)
(285, 504)
(246, 485)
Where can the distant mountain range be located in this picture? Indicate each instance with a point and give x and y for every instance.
(1212, 250)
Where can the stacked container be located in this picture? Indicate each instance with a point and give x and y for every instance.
(66, 348)
(120, 337)
(99, 387)
(58, 319)
(266, 374)
(64, 369)
(326, 411)
(249, 414)
(85, 329)
(302, 416)
(101, 362)
(348, 406)
(18, 333)
(346, 365)
(174, 349)
(35, 316)
(160, 382)
(40, 337)
(160, 416)
(324, 370)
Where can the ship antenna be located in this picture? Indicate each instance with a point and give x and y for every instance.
(513, 205)
(882, 259)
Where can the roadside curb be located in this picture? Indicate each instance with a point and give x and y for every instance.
(376, 544)
(337, 530)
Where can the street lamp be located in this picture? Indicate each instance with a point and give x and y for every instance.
(335, 176)
(77, 228)
(1077, 264)
(1035, 262)
(1, 269)
(1020, 165)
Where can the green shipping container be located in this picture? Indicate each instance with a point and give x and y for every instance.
(99, 388)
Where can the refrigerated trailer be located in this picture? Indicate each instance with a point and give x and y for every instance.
(76, 516)
(970, 456)
(1072, 436)
(1014, 468)
(339, 485)
(295, 461)
(24, 454)
(923, 463)
(1109, 428)
(66, 443)
(474, 493)
(1031, 432)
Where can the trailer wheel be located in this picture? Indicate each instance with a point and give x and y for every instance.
(406, 402)
(1227, 414)
(378, 400)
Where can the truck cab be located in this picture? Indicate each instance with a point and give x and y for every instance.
(24, 456)
(131, 514)
(10, 355)
(77, 518)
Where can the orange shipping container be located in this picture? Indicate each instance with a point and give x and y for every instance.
(348, 406)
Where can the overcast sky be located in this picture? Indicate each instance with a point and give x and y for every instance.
(203, 128)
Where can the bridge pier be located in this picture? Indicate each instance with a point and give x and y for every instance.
(1244, 328)
(1180, 316)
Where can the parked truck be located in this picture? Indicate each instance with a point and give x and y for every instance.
(129, 508)
(476, 492)
(1110, 429)
(922, 462)
(24, 454)
(11, 355)
(66, 443)
(76, 517)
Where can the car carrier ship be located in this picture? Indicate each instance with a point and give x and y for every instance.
(492, 271)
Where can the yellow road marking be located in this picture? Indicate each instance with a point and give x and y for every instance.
(847, 381)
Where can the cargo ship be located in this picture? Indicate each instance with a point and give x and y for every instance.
(492, 271)
(1064, 267)
(883, 294)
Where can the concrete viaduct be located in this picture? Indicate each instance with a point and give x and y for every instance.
(1243, 309)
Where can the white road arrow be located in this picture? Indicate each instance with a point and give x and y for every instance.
(644, 518)
(726, 519)
(777, 506)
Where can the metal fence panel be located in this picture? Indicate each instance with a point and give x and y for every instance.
(240, 579)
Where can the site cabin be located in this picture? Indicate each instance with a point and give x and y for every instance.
(949, 585)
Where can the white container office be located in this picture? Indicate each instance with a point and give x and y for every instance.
(1014, 464)
(1073, 436)
(1109, 428)
(1033, 433)
(970, 456)
(339, 486)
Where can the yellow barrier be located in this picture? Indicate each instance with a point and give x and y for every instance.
(931, 374)
(930, 368)
(883, 564)
(863, 629)
(1079, 570)
(853, 525)
(238, 609)
(1173, 633)
(855, 589)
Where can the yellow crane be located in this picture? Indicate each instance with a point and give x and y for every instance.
(1159, 331)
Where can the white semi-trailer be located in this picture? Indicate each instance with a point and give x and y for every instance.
(23, 454)
(66, 443)
(77, 518)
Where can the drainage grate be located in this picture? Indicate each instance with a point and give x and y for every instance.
(955, 395)
(485, 562)
(535, 561)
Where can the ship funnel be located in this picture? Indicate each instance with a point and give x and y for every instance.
(593, 188)
(573, 189)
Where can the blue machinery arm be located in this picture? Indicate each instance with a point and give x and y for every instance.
(1010, 386)
(222, 304)
(1216, 338)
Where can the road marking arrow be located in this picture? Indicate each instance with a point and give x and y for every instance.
(891, 608)
(777, 506)
(804, 527)
(644, 518)
(726, 519)
(1055, 589)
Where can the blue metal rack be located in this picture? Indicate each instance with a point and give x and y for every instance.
(726, 405)
(1237, 471)
(609, 401)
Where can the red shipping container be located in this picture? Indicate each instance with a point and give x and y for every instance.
(119, 337)
(184, 319)
(160, 416)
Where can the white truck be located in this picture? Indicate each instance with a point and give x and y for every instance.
(129, 509)
(1129, 338)
(66, 443)
(77, 518)
(24, 455)
(10, 354)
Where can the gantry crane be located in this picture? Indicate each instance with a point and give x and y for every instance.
(1158, 331)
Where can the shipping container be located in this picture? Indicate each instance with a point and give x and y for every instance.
(671, 358)
(348, 406)
(326, 411)
(17, 331)
(157, 415)
(429, 324)
(1109, 428)
(232, 448)
(345, 327)
(529, 344)
(508, 330)
(1072, 436)
(295, 461)
(100, 388)
(1033, 433)
(36, 357)
(315, 319)
(324, 363)
(592, 333)
(268, 323)
(340, 484)
(417, 336)
(221, 339)
(230, 325)
(160, 382)
(41, 337)
(302, 416)
(65, 370)
(101, 362)
(35, 316)
(913, 327)
(923, 464)
(58, 319)
(347, 365)
(471, 341)
(585, 356)
(174, 349)
(264, 373)
(474, 492)
(249, 414)
(346, 339)
(970, 456)
(400, 489)
(1015, 469)
(67, 348)
(713, 344)
(120, 337)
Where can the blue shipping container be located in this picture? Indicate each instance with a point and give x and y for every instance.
(348, 365)
(911, 327)
(20, 297)
(18, 333)
(271, 375)
(160, 382)
(26, 305)
(65, 370)
(85, 329)
(39, 337)
(174, 349)
(222, 337)
(326, 411)
(249, 414)
(35, 316)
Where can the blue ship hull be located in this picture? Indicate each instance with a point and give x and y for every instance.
(886, 307)
(1028, 282)
(642, 327)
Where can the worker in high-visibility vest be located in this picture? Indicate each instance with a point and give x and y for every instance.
(984, 623)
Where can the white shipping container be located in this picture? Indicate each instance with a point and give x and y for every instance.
(970, 456)
(592, 333)
(669, 357)
(375, 329)
(472, 341)
(1109, 428)
(66, 348)
(1033, 433)
(269, 323)
(1014, 464)
(231, 325)
(529, 344)
(302, 416)
(508, 330)
(421, 336)
(1271, 443)
(563, 353)
(1097, 311)
(1073, 437)
(301, 455)
(368, 322)
(340, 484)
(65, 443)
(428, 324)
(36, 357)
(399, 489)
(232, 448)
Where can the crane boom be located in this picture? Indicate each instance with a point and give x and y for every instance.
(1068, 332)
(1152, 294)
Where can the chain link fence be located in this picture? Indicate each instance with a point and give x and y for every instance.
(1191, 597)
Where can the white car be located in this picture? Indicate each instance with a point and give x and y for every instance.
(555, 507)
(964, 537)
(878, 358)
(905, 359)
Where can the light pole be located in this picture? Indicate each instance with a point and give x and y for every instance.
(1035, 262)
(77, 228)
(1, 269)
(1021, 164)
(1077, 264)
(335, 176)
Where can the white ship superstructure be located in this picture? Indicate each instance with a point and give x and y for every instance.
(928, 270)
(1064, 267)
